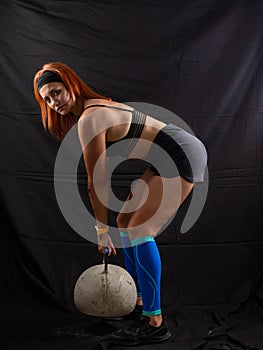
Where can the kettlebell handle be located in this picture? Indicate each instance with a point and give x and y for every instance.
(105, 260)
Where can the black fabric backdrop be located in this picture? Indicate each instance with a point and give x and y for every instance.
(199, 59)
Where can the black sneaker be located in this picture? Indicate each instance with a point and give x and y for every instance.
(141, 332)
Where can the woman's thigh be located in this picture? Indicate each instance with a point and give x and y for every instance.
(152, 203)
(137, 195)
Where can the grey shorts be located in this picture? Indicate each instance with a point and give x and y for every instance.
(187, 152)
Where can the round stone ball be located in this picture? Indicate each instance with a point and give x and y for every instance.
(105, 294)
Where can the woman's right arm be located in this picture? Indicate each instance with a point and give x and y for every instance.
(93, 141)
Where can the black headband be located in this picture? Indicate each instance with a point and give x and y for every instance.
(47, 77)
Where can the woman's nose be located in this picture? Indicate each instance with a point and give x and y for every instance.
(54, 102)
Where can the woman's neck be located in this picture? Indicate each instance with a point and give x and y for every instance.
(78, 107)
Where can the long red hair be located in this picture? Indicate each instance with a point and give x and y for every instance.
(53, 121)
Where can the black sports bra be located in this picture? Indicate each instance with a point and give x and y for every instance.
(134, 132)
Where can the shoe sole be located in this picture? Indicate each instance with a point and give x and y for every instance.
(141, 342)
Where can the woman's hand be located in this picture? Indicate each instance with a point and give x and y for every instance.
(104, 241)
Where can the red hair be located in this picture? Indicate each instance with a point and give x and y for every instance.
(51, 120)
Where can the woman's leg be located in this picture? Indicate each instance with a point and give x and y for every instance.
(148, 267)
(129, 260)
(122, 221)
(155, 200)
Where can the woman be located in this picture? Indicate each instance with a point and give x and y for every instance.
(64, 100)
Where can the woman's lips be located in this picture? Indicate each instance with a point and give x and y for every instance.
(60, 108)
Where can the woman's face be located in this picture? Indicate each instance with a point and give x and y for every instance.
(57, 97)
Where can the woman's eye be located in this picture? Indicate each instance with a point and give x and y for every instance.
(47, 100)
(56, 92)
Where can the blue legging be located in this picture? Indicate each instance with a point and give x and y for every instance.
(142, 260)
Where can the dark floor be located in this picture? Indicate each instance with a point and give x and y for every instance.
(31, 323)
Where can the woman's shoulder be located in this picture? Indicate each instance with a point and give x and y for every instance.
(95, 104)
(104, 112)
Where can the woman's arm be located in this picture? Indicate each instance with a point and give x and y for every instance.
(98, 183)
(93, 142)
